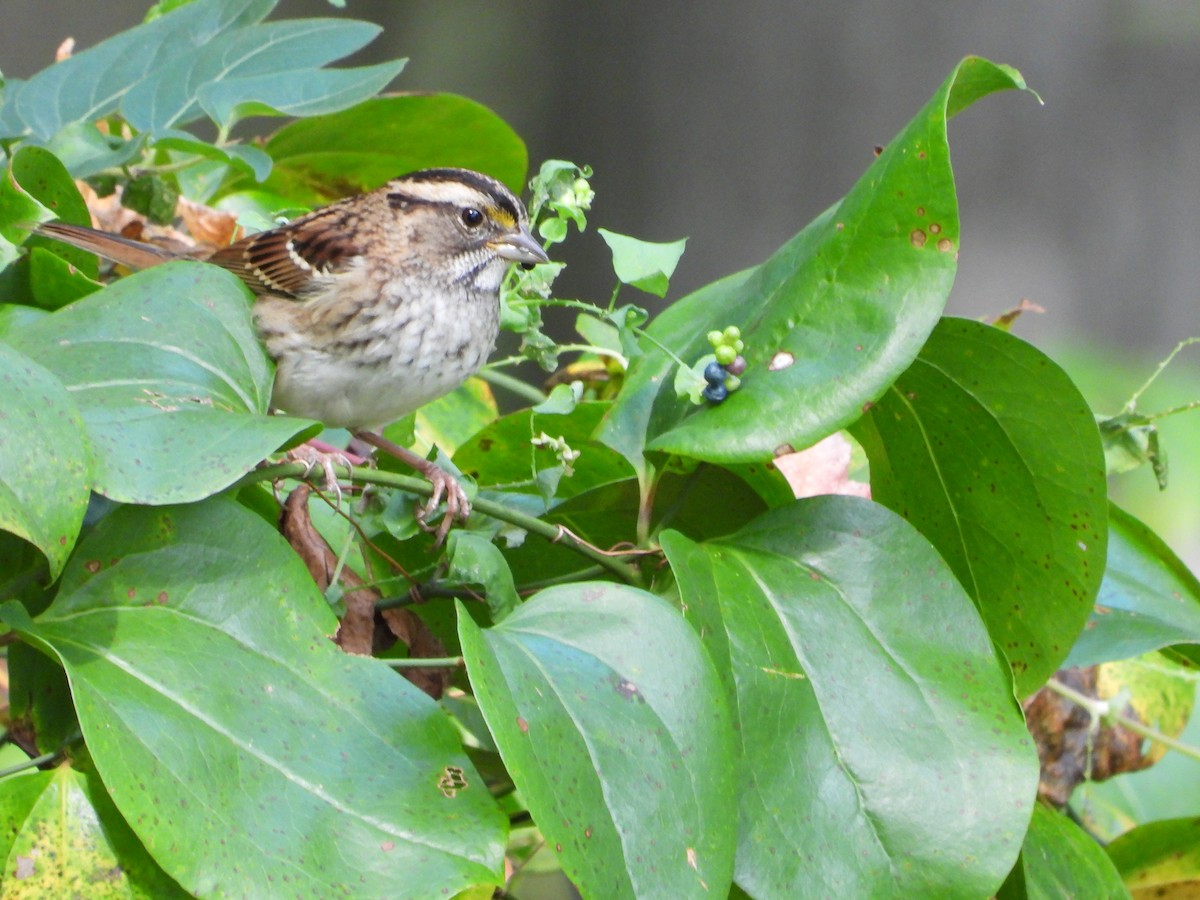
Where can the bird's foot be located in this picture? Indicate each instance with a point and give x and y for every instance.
(444, 488)
(315, 454)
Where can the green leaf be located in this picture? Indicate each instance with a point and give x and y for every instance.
(988, 448)
(610, 720)
(230, 731)
(258, 65)
(314, 163)
(476, 560)
(643, 264)
(562, 400)
(211, 56)
(54, 282)
(152, 196)
(40, 699)
(503, 455)
(449, 421)
(1160, 693)
(831, 319)
(1148, 600)
(14, 317)
(87, 152)
(170, 379)
(37, 187)
(92, 84)
(1130, 442)
(875, 724)
(66, 839)
(1160, 859)
(45, 459)
(706, 502)
(306, 94)
(1060, 860)
(24, 573)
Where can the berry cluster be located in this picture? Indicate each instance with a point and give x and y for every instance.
(723, 373)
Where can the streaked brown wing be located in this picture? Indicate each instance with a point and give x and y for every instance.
(285, 260)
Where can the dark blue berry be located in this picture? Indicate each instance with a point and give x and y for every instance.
(715, 393)
(714, 373)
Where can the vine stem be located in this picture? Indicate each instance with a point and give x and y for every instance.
(30, 763)
(511, 384)
(1132, 404)
(553, 533)
(36, 761)
(1173, 411)
(432, 662)
(1102, 709)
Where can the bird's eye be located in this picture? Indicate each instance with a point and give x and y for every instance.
(471, 217)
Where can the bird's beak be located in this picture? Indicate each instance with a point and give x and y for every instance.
(519, 247)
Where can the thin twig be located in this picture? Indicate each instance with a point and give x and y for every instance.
(550, 532)
(1101, 709)
(1187, 342)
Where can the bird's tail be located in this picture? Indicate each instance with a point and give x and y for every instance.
(123, 250)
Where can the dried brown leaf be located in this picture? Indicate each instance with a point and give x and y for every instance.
(1070, 748)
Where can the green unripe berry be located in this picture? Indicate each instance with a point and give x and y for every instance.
(714, 338)
(732, 333)
(726, 354)
(732, 383)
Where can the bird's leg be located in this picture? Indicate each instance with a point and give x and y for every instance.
(458, 506)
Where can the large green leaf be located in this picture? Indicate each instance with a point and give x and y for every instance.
(91, 84)
(1060, 860)
(170, 379)
(1149, 599)
(241, 745)
(612, 724)
(213, 57)
(881, 752)
(314, 163)
(61, 836)
(275, 65)
(1160, 859)
(45, 459)
(988, 448)
(830, 319)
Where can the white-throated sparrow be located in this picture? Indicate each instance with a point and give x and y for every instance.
(374, 305)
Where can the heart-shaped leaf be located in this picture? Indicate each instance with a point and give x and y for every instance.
(610, 720)
(170, 379)
(881, 752)
(643, 264)
(241, 745)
